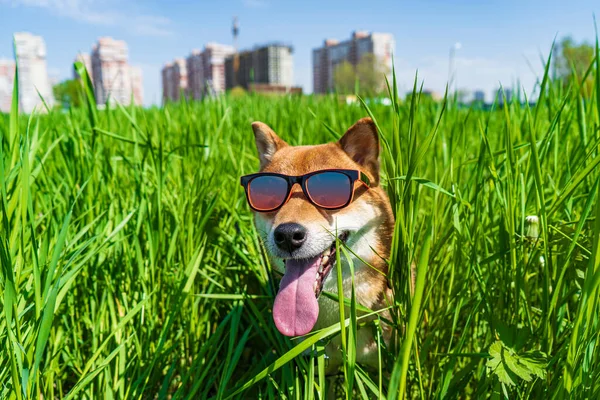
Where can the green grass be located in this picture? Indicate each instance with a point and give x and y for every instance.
(131, 267)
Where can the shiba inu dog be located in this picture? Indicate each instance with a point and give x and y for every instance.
(302, 197)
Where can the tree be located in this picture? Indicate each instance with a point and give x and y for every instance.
(68, 93)
(344, 78)
(573, 60)
(369, 74)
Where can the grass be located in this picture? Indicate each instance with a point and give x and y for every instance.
(131, 267)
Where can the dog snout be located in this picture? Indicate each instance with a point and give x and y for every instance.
(290, 236)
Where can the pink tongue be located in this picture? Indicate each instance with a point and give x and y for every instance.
(296, 309)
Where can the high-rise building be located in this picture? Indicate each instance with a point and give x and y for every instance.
(174, 80)
(167, 81)
(213, 66)
(333, 53)
(180, 78)
(195, 75)
(87, 62)
(7, 79)
(206, 70)
(114, 79)
(30, 52)
(271, 64)
(137, 85)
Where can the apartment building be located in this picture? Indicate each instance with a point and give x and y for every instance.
(86, 59)
(174, 80)
(7, 79)
(206, 70)
(30, 53)
(333, 53)
(114, 79)
(270, 64)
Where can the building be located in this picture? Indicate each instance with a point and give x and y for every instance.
(206, 70)
(479, 96)
(114, 79)
(7, 79)
(166, 72)
(137, 85)
(270, 89)
(333, 53)
(214, 56)
(30, 53)
(174, 80)
(180, 77)
(195, 75)
(87, 61)
(271, 64)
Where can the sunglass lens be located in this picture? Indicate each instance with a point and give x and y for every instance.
(329, 189)
(267, 192)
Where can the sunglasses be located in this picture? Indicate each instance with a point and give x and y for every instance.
(330, 189)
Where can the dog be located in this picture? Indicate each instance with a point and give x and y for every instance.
(299, 234)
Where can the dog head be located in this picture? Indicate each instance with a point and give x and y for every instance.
(301, 237)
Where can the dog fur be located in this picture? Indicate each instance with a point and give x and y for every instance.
(368, 219)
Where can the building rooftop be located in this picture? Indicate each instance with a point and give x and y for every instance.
(26, 35)
(109, 40)
(266, 45)
(215, 44)
(360, 34)
(355, 36)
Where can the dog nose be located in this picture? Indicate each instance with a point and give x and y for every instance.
(290, 236)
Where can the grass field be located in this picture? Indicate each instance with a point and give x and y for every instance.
(131, 267)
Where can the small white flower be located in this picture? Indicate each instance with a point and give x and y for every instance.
(532, 227)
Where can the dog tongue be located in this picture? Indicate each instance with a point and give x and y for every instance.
(296, 309)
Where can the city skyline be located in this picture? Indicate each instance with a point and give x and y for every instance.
(502, 42)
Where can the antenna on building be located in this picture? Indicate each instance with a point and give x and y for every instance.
(236, 61)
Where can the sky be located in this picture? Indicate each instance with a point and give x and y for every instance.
(501, 42)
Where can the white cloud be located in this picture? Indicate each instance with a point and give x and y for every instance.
(97, 13)
(150, 25)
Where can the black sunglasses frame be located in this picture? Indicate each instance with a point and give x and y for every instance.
(352, 174)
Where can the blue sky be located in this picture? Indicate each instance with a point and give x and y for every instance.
(501, 41)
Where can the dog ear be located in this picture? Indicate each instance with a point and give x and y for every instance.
(267, 142)
(361, 143)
